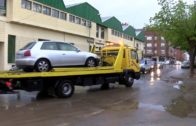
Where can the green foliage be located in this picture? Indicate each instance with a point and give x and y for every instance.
(176, 21)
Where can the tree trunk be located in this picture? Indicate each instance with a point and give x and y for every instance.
(192, 53)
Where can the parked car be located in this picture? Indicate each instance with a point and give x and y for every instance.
(44, 55)
(146, 66)
(185, 64)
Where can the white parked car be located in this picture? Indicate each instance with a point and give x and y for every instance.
(44, 55)
(185, 64)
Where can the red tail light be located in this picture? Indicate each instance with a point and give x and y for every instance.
(27, 53)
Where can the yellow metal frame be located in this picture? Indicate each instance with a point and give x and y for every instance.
(63, 72)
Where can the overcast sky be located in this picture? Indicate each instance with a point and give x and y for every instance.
(134, 12)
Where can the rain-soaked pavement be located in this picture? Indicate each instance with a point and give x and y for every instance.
(147, 103)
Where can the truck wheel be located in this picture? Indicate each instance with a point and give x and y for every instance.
(129, 81)
(91, 62)
(64, 89)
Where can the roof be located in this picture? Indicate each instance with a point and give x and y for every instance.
(86, 11)
(129, 30)
(141, 37)
(113, 23)
(58, 4)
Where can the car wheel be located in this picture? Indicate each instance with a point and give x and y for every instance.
(42, 65)
(90, 62)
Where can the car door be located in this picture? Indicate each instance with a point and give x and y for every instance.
(71, 55)
(50, 51)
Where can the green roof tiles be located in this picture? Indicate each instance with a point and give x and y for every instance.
(58, 4)
(113, 23)
(86, 11)
(130, 31)
(141, 36)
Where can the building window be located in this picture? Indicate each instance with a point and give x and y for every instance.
(97, 31)
(2, 7)
(155, 38)
(163, 52)
(155, 51)
(63, 16)
(103, 33)
(149, 51)
(155, 45)
(162, 38)
(26, 4)
(11, 48)
(55, 13)
(37, 7)
(149, 45)
(83, 22)
(78, 20)
(148, 38)
(89, 24)
(46, 10)
(72, 18)
(162, 44)
(112, 32)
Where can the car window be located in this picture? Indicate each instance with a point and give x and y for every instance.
(134, 55)
(66, 47)
(28, 46)
(49, 46)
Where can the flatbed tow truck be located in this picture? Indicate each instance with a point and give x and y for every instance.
(119, 63)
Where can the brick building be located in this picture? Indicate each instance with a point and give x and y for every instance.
(157, 47)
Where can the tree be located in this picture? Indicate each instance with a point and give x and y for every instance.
(176, 21)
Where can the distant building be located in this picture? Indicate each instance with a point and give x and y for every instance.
(157, 47)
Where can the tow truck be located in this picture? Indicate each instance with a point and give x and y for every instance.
(118, 63)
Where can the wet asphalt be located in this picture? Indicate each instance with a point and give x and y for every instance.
(145, 104)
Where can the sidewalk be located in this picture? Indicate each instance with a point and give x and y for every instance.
(187, 100)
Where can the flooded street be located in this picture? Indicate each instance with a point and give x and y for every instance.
(150, 102)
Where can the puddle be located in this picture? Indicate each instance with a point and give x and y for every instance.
(180, 107)
(127, 105)
(152, 107)
(9, 101)
(178, 85)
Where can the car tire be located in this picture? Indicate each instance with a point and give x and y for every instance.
(91, 62)
(42, 65)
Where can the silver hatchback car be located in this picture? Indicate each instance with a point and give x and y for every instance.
(44, 55)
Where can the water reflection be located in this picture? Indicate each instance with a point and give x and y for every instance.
(155, 75)
(180, 107)
(151, 106)
(20, 99)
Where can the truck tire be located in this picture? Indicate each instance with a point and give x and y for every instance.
(129, 81)
(64, 89)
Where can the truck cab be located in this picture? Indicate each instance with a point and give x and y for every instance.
(129, 61)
